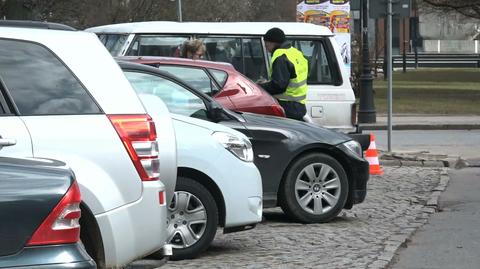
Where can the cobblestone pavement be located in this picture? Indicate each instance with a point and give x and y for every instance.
(365, 237)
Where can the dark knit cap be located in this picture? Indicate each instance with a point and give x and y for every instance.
(275, 35)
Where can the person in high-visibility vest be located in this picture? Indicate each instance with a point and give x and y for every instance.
(288, 74)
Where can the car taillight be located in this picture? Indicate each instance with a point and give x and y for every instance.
(62, 224)
(138, 135)
(277, 110)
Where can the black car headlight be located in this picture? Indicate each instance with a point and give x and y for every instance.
(353, 147)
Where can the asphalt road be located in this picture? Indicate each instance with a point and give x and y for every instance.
(451, 239)
(462, 143)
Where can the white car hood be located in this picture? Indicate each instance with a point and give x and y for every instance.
(213, 127)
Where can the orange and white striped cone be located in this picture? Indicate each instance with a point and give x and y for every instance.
(372, 157)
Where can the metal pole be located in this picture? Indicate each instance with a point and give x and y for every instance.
(366, 111)
(405, 42)
(389, 68)
(179, 10)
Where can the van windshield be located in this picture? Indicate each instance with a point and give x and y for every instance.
(113, 42)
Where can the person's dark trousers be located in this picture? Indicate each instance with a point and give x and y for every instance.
(293, 110)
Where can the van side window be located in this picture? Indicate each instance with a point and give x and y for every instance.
(150, 45)
(39, 83)
(224, 49)
(254, 59)
(245, 54)
(321, 65)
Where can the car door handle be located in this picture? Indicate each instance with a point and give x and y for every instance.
(5, 142)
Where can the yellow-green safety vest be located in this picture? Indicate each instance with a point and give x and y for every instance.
(297, 87)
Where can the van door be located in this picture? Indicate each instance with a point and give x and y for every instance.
(330, 97)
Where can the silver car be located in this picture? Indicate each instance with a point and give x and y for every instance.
(62, 96)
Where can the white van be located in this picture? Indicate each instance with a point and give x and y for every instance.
(330, 99)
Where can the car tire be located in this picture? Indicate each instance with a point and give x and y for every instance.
(315, 189)
(189, 231)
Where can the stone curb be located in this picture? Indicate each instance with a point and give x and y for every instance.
(401, 127)
(394, 243)
(401, 163)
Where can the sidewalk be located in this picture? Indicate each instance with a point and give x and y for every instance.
(425, 122)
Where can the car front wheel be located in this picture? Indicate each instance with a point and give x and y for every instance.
(315, 189)
(192, 219)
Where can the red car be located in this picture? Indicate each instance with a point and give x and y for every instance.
(219, 80)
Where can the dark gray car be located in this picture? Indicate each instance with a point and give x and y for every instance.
(39, 213)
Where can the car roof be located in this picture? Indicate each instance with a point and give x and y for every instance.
(177, 61)
(36, 24)
(229, 28)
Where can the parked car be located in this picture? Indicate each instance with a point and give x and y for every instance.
(40, 211)
(330, 98)
(310, 171)
(218, 80)
(66, 101)
(207, 194)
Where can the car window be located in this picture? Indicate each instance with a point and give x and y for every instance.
(178, 99)
(196, 77)
(113, 42)
(245, 54)
(320, 67)
(220, 76)
(39, 83)
(150, 45)
(224, 49)
(254, 67)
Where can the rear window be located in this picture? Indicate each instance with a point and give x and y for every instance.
(150, 45)
(39, 82)
(113, 42)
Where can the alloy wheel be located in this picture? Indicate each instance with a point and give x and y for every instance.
(317, 188)
(187, 220)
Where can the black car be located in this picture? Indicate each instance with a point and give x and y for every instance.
(39, 213)
(310, 171)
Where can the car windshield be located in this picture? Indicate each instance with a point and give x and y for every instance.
(178, 99)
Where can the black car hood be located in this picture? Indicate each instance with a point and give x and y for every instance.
(294, 129)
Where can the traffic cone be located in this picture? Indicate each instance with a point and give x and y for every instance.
(372, 157)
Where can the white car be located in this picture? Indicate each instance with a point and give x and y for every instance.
(62, 96)
(217, 185)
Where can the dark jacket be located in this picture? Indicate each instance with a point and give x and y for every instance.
(282, 71)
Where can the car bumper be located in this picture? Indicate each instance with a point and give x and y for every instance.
(135, 230)
(243, 197)
(51, 257)
(360, 175)
(241, 187)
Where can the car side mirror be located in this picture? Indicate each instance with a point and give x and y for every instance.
(215, 112)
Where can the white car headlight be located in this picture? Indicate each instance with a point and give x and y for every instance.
(354, 147)
(240, 147)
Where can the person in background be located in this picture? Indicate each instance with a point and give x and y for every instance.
(288, 75)
(193, 49)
